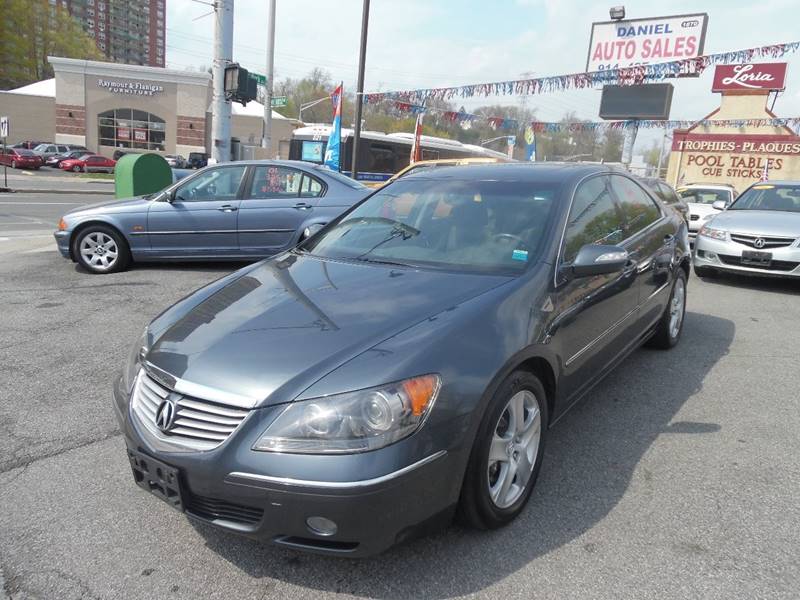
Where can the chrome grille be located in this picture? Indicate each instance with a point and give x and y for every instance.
(198, 424)
(769, 241)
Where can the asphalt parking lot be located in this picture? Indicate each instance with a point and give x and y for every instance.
(677, 478)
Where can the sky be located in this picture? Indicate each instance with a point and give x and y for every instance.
(433, 43)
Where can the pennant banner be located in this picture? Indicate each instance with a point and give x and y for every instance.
(554, 83)
(544, 126)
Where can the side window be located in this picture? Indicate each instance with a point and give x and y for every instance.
(51, 149)
(217, 184)
(593, 218)
(638, 208)
(310, 187)
(274, 182)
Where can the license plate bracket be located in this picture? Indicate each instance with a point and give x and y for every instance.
(158, 478)
(750, 257)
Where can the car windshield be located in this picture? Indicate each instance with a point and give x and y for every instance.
(356, 185)
(704, 195)
(485, 226)
(783, 197)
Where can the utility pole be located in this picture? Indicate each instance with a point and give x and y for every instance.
(629, 141)
(362, 58)
(266, 138)
(223, 56)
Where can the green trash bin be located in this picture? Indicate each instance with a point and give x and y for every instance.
(139, 174)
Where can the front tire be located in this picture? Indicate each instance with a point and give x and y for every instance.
(76, 169)
(507, 453)
(669, 328)
(13, 164)
(101, 249)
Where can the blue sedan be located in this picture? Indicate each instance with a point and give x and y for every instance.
(231, 211)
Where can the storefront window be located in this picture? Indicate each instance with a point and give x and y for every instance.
(131, 128)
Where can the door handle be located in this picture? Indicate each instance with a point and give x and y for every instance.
(302, 206)
(227, 208)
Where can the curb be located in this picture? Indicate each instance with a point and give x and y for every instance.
(51, 191)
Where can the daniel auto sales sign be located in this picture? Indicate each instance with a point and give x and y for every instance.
(761, 76)
(617, 44)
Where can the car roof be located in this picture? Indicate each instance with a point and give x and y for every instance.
(712, 186)
(519, 171)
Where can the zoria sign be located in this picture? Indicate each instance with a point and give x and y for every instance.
(135, 88)
(618, 44)
(762, 76)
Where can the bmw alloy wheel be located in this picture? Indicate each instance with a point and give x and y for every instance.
(514, 449)
(99, 250)
(676, 307)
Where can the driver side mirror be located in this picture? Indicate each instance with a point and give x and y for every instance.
(596, 259)
(719, 205)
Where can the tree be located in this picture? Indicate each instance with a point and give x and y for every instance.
(611, 147)
(32, 30)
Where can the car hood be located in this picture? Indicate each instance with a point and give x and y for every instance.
(271, 333)
(127, 205)
(696, 208)
(760, 222)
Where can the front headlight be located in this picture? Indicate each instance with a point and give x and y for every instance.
(354, 421)
(135, 358)
(716, 234)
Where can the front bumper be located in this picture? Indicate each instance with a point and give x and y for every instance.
(727, 255)
(62, 242)
(270, 496)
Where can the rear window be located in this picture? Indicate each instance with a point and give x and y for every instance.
(22, 152)
(342, 178)
(704, 195)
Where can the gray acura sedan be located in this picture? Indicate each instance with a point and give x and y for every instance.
(405, 362)
(230, 211)
(759, 234)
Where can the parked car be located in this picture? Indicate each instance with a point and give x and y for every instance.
(406, 360)
(667, 195)
(27, 144)
(759, 234)
(197, 160)
(89, 163)
(48, 150)
(700, 199)
(19, 158)
(55, 161)
(176, 161)
(231, 211)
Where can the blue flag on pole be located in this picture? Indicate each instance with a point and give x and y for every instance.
(335, 138)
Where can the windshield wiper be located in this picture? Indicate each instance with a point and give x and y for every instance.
(379, 261)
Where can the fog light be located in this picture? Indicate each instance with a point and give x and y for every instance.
(711, 256)
(321, 526)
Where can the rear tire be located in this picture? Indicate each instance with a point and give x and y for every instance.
(101, 249)
(670, 326)
(506, 454)
(13, 164)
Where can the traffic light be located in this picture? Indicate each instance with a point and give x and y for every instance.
(239, 85)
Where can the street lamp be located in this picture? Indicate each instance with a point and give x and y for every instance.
(306, 105)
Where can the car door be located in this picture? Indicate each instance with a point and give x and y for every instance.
(199, 217)
(651, 243)
(277, 201)
(594, 316)
(94, 163)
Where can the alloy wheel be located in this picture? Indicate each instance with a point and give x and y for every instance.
(514, 448)
(677, 307)
(99, 250)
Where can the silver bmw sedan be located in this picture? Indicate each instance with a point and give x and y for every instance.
(758, 234)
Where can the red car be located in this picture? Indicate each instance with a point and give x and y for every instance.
(19, 158)
(92, 162)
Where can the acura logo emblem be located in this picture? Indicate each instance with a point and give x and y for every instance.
(759, 243)
(165, 415)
